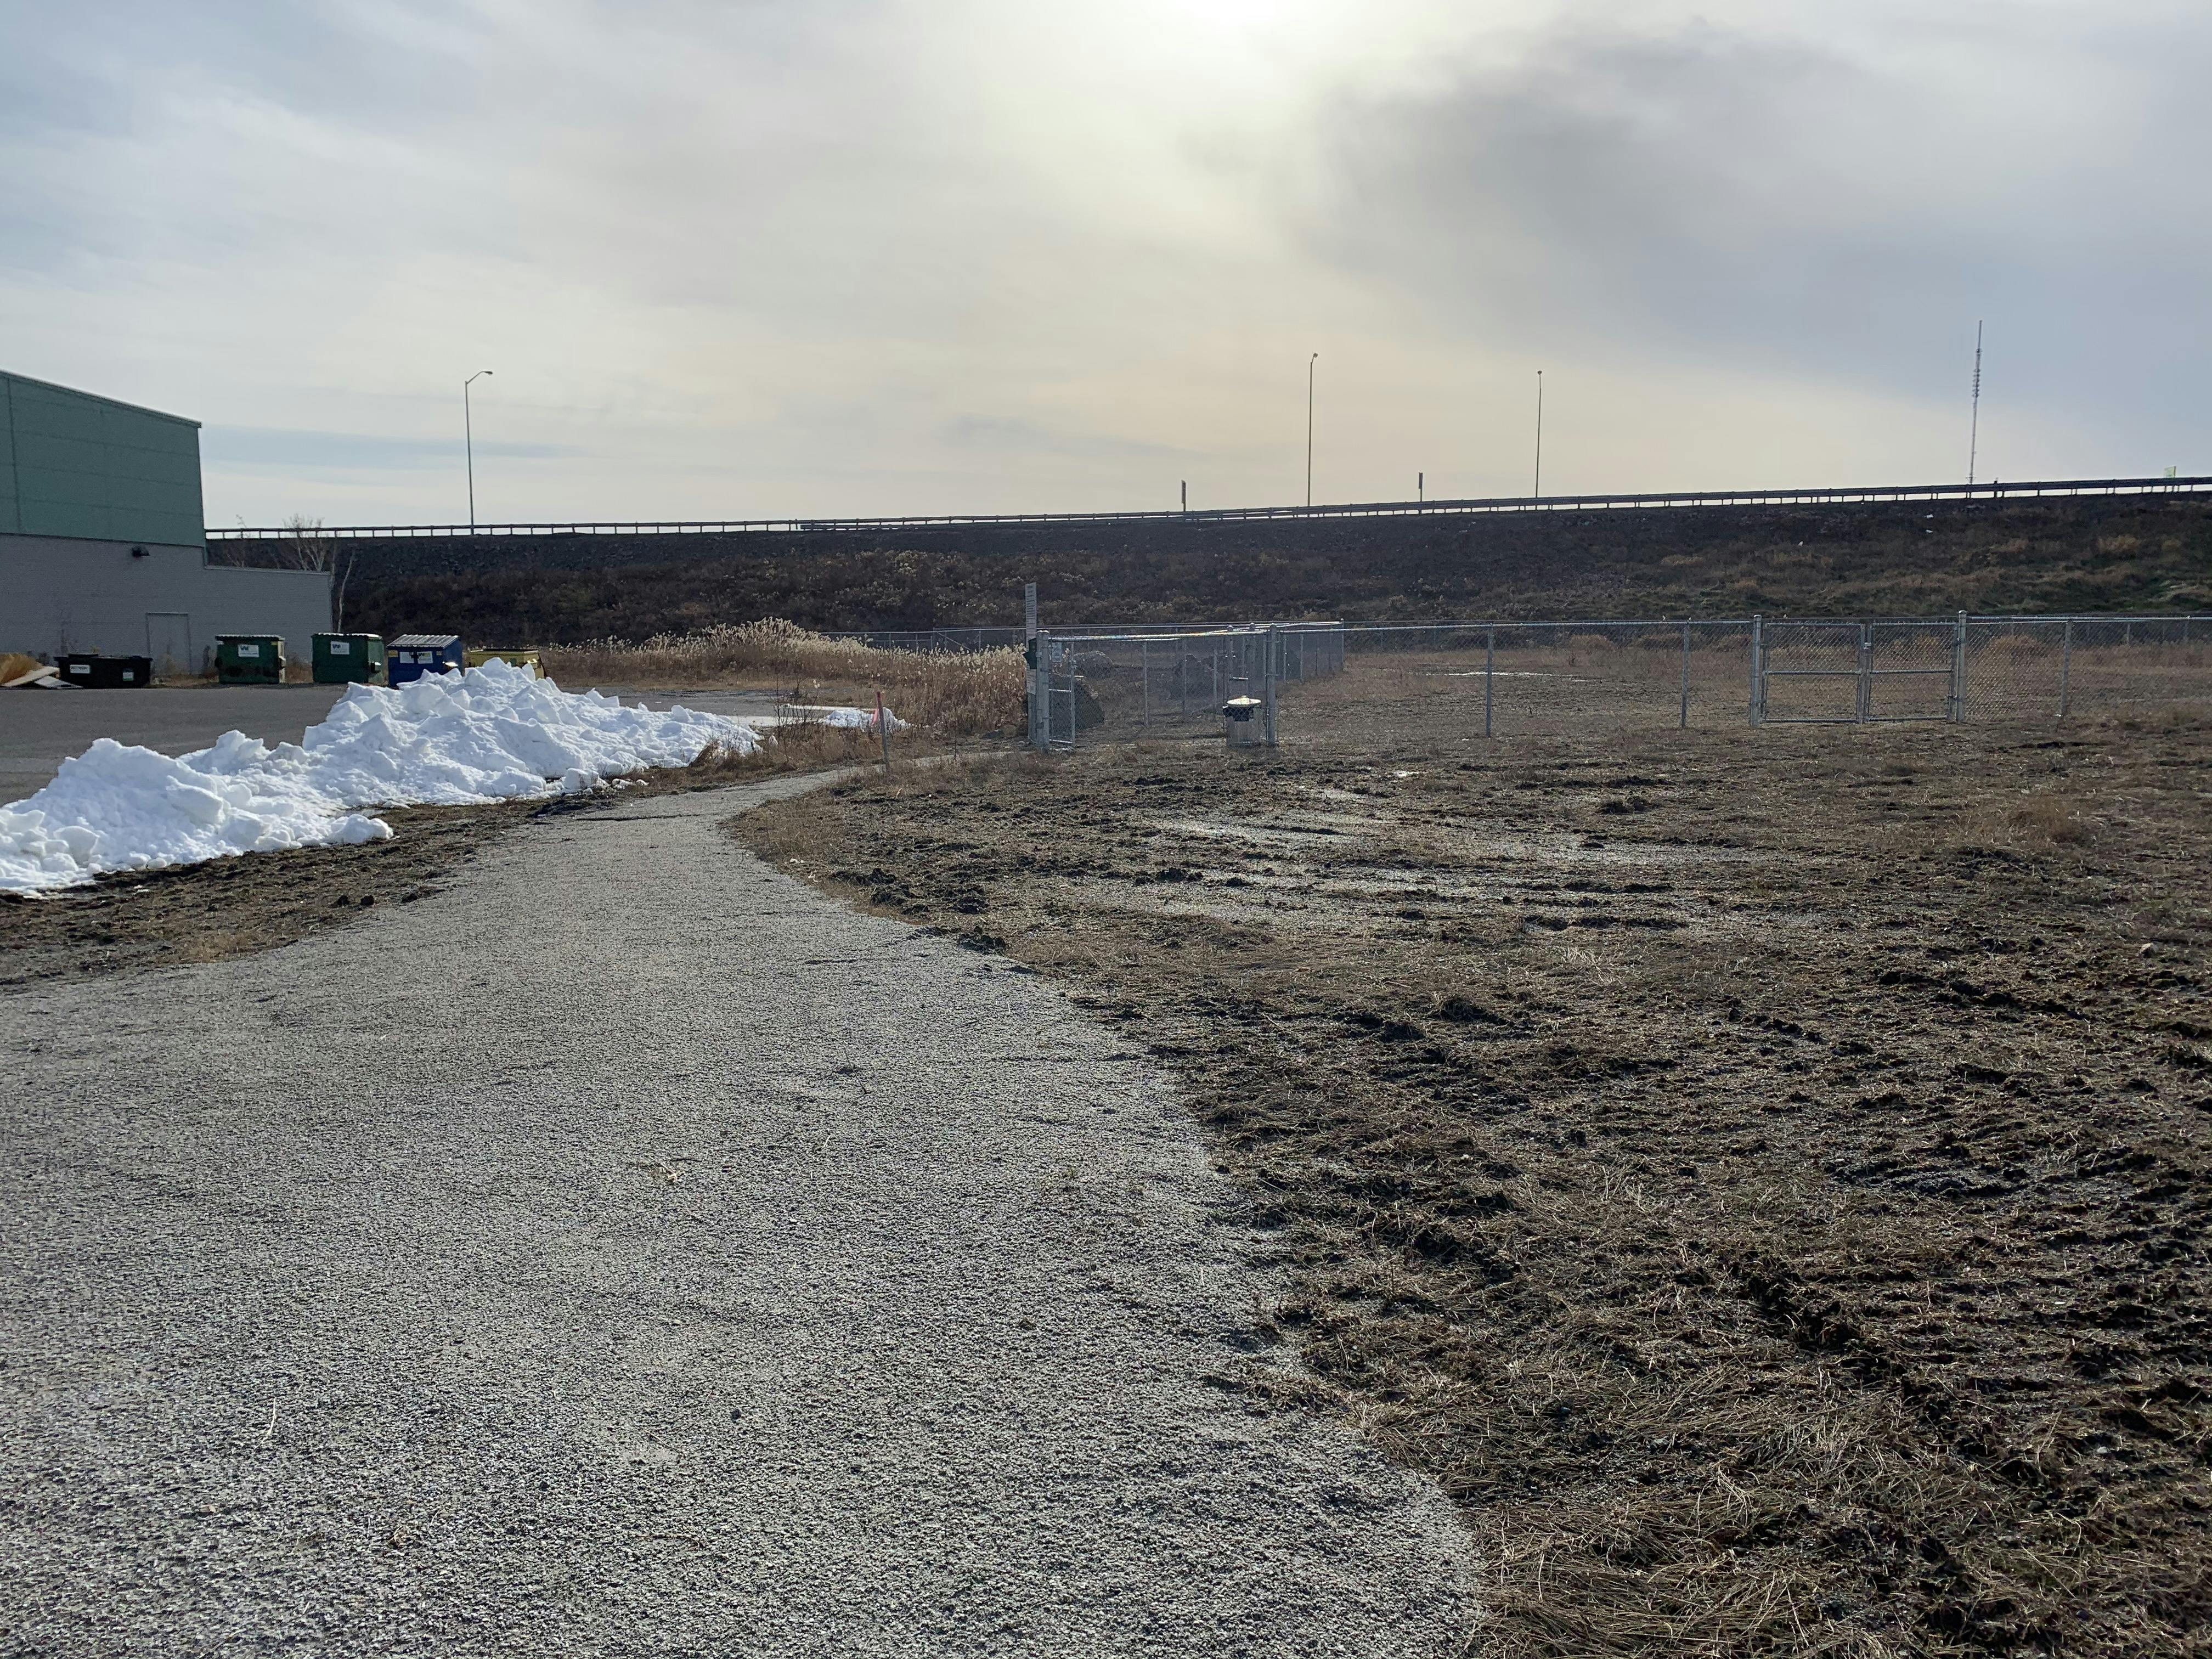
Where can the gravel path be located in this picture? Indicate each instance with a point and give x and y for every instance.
(626, 1251)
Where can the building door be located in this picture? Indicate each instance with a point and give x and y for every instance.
(169, 643)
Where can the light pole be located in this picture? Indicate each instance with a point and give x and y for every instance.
(1310, 361)
(1539, 434)
(1974, 428)
(469, 442)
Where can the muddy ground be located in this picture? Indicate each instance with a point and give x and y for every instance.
(1763, 1175)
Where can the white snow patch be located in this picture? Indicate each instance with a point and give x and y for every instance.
(493, 733)
(813, 713)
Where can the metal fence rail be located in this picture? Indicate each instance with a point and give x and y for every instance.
(1001, 639)
(1670, 498)
(1456, 681)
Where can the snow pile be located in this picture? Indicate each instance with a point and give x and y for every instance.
(813, 713)
(494, 733)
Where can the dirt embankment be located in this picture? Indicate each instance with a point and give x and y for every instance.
(1764, 1176)
(2091, 554)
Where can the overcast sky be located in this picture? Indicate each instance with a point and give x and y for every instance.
(891, 256)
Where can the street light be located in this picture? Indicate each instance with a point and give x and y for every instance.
(469, 441)
(1310, 361)
(1540, 433)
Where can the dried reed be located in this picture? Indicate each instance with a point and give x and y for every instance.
(956, 695)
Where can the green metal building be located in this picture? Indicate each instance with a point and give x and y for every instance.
(103, 543)
(89, 468)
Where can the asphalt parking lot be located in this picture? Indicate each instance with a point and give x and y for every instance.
(39, 730)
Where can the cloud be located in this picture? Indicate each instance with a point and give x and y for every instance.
(861, 256)
(288, 449)
(1807, 199)
(1000, 435)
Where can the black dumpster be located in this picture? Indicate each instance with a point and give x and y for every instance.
(100, 673)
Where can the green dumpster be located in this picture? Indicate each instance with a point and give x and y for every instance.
(249, 659)
(342, 656)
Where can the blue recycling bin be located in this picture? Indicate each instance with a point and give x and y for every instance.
(411, 656)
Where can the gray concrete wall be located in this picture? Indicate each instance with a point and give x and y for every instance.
(69, 594)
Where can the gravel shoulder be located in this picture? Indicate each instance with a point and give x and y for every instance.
(623, 1250)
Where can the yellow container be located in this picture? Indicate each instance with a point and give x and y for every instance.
(513, 659)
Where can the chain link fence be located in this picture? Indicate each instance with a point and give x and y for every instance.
(1450, 681)
(1197, 684)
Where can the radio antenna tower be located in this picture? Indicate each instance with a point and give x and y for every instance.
(1974, 431)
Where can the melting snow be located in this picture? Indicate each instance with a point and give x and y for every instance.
(494, 733)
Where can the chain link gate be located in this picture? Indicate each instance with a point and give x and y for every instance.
(1121, 687)
(1863, 673)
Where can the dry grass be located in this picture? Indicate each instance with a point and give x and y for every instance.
(2054, 819)
(808, 747)
(798, 830)
(1774, 1214)
(954, 695)
(2045, 822)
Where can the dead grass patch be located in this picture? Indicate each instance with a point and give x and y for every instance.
(1816, 1274)
(952, 694)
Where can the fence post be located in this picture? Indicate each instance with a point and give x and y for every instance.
(1270, 652)
(1685, 725)
(1866, 670)
(1040, 683)
(1758, 711)
(1041, 691)
(2065, 668)
(1489, 681)
(1145, 657)
(1958, 668)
